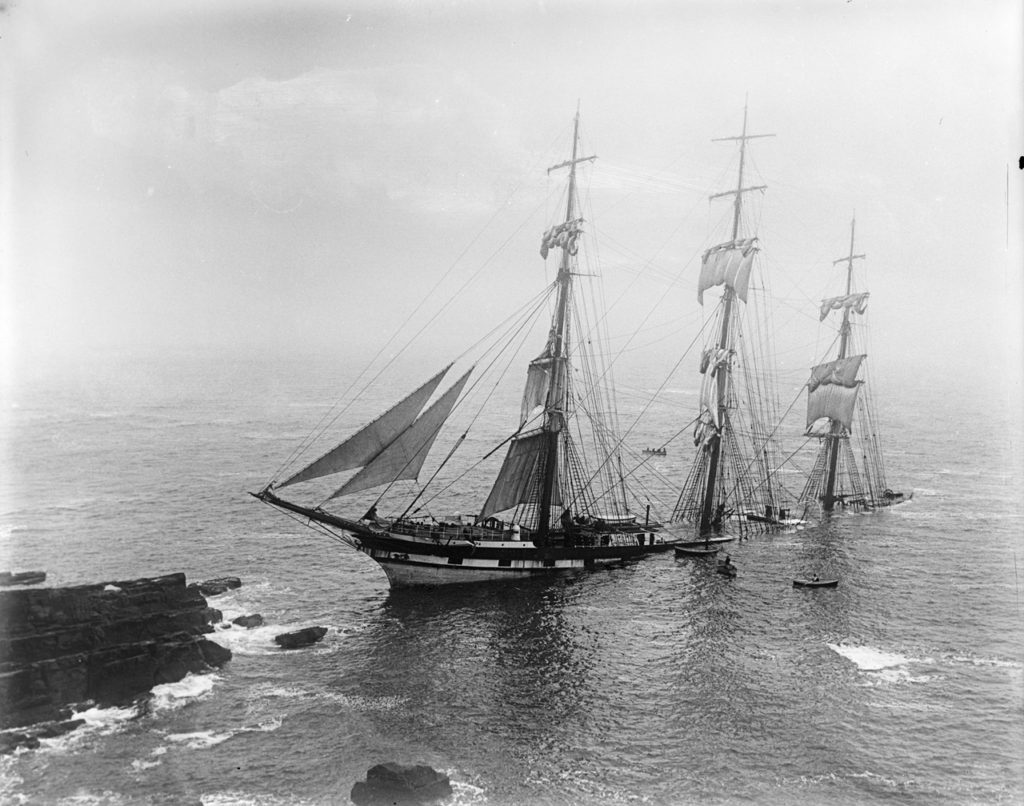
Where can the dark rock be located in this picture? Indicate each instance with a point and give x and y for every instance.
(300, 638)
(394, 784)
(8, 578)
(215, 587)
(255, 620)
(213, 615)
(107, 643)
(12, 740)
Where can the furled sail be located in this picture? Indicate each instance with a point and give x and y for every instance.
(367, 443)
(517, 481)
(404, 457)
(563, 235)
(727, 263)
(857, 303)
(842, 372)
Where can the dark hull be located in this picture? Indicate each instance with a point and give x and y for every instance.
(693, 551)
(815, 583)
(418, 559)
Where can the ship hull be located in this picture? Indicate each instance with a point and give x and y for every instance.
(410, 563)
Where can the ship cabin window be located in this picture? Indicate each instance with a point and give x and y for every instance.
(549, 563)
(505, 563)
(454, 561)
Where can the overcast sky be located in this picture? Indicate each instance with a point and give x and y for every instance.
(252, 174)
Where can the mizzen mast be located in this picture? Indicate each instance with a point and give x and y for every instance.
(835, 435)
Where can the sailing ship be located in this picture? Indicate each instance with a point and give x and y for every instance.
(553, 507)
(849, 471)
(732, 488)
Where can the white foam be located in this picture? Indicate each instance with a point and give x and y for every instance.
(355, 702)
(138, 765)
(199, 740)
(997, 662)
(170, 696)
(245, 799)
(869, 659)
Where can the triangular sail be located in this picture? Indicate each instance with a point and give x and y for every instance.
(404, 457)
(728, 263)
(366, 444)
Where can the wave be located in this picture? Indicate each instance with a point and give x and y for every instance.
(171, 696)
(355, 702)
(869, 659)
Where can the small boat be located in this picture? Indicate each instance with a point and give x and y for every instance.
(696, 551)
(815, 583)
(656, 451)
(726, 569)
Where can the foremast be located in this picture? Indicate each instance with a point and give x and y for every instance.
(838, 431)
(555, 405)
(723, 379)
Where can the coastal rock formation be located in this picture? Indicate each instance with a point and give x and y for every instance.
(255, 620)
(215, 587)
(8, 578)
(106, 643)
(300, 638)
(394, 784)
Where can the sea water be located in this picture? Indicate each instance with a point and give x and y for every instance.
(656, 682)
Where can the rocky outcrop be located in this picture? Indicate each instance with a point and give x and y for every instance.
(255, 620)
(105, 643)
(215, 587)
(300, 638)
(8, 578)
(394, 784)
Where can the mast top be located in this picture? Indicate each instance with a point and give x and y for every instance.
(740, 190)
(848, 260)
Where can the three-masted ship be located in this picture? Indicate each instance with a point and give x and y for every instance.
(732, 488)
(553, 507)
(849, 470)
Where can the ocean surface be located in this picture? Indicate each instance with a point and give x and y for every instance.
(656, 682)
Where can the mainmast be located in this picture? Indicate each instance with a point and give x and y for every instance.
(554, 407)
(836, 433)
(723, 377)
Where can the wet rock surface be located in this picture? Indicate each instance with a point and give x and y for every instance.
(300, 638)
(393, 784)
(106, 643)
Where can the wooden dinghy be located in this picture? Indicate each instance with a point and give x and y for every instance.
(696, 551)
(815, 583)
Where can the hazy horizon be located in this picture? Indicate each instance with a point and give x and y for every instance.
(246, 178)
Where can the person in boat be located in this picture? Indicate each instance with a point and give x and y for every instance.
(727, 562)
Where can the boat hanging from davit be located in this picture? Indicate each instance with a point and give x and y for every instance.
(560, 500)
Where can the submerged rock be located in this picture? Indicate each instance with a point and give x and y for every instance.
(215, 587)
(8, 578)
(393, 784)
(108, 643)
(300, 638)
